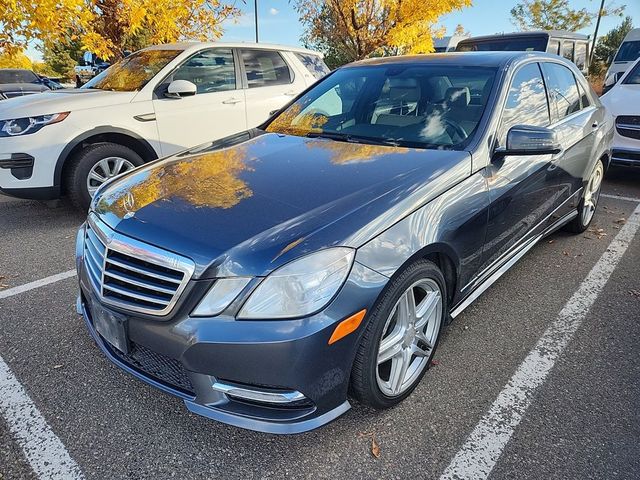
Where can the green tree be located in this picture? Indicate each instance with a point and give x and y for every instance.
(62, 57)
(556, 15)
(607, 46)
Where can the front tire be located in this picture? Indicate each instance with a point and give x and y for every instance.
(401, 336)
(589, 201)
(93, 166)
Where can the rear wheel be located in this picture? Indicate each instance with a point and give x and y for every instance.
(93, 166)
(401, 337)
(589, 202)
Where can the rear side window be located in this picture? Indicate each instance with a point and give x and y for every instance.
(265, 68)
(563, 90)
(313, 63)
(581, 55)
(553, 47)
(628, 51)
(567, 50)
(526, 101)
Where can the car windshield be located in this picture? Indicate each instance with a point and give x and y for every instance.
(628, 52)
(514, 44)
(133, 72)
(633, 78)
(18, 76)
(419, 106)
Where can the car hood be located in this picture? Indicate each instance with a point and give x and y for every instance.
(65, 100)
(248, 208)
(621, 100)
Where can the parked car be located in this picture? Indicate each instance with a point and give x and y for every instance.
(17, 82)
(447, 44)
(262, 277)
(623, 102)
(51, 83)
(90, 67)
(572, 46)
(153, 103)
(627, 53)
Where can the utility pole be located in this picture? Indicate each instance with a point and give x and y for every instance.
(595, 34)
(255, 7)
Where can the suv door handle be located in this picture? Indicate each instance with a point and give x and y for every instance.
(290, 93)
(231, 101)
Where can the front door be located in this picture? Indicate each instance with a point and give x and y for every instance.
(215, 111)
(522, 188)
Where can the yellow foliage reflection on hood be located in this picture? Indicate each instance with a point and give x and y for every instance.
(343, 153)
(209, 179)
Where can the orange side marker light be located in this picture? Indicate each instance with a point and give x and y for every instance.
(347, 326)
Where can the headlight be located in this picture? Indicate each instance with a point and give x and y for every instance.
(223, 292)
(27, 125)
(301, 287)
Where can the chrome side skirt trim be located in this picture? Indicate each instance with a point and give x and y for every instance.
(517, 255)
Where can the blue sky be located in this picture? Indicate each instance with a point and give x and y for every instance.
(278, 21)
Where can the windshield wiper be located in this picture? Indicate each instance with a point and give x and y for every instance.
(347, 137)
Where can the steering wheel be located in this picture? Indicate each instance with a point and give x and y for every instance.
(455, 130)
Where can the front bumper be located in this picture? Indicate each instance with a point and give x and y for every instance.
(194, 358)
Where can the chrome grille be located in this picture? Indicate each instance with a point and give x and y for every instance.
(628, 126)
(131, 274)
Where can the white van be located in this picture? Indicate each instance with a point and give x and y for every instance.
(628, 53)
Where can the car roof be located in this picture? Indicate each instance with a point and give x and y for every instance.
(471, 59)
(194, 46)
(529, 33)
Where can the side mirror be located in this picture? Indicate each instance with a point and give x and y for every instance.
(181, 88)
(529, 140)
(87, 57)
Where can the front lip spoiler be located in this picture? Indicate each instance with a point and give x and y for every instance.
(248, 423)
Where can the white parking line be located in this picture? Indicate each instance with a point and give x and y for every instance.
(616, 197)
(483, 447)
(42, 448)
(38, 283)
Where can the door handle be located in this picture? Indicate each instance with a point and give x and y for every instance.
(231, 101)
(291, 93)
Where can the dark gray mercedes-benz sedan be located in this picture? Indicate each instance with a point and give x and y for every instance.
(266, 277)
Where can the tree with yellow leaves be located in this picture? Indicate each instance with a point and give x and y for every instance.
(348, 30)
(108, 27)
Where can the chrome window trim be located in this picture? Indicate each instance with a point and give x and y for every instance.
(117, 242)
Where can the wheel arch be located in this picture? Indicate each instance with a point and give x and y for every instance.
(102, 135)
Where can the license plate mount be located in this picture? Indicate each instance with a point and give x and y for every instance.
(111, 326)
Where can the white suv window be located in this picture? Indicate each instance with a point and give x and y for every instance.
(313, 63)
(210, 70)
(265, 68)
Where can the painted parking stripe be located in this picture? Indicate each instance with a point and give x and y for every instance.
(617, 197)
(38, 283)
(42, 448)
(483, 447)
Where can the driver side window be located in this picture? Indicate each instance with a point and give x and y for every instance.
(526, 101)
(210, 70)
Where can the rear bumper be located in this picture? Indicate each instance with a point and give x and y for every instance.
(191, 357)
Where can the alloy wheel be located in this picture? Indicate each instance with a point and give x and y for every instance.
(106, 169)
(409, 337)
(592, 194)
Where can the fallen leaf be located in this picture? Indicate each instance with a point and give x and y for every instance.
(565, 253)
(57, 366)
(435, 363)
(375, 448)
(551, 241)
(621, 221)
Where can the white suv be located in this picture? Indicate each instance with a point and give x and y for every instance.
(151, 104)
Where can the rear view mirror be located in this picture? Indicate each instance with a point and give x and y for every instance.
(529, 140)
(87, 57)
(181, 88)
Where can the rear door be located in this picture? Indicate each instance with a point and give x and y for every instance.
(270, 82)
(522, 189)
(215, 111)
(576, 120)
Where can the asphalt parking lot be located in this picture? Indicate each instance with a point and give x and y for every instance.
(575, 416)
